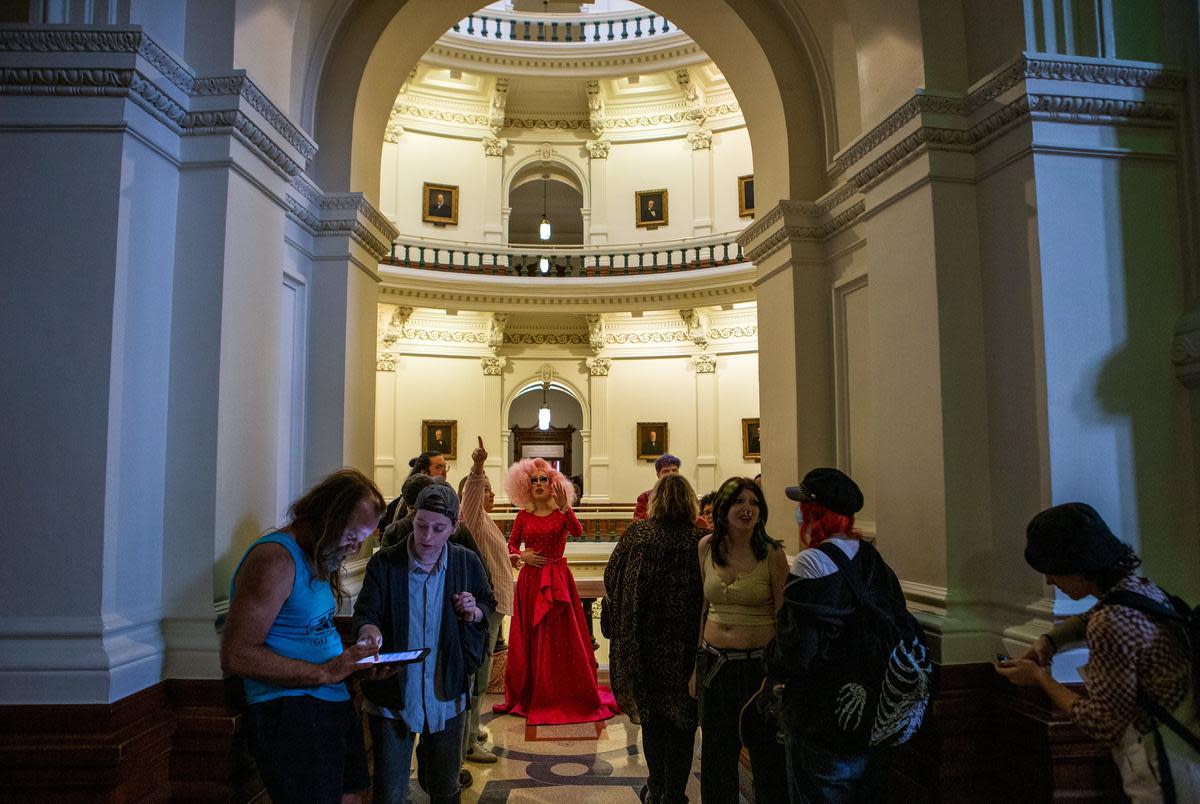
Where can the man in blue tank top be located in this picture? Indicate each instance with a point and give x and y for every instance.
(281, 640)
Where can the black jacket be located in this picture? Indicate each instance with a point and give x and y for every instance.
(383, 602)
(815, 648)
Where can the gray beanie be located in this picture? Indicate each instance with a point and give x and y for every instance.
(439, 498)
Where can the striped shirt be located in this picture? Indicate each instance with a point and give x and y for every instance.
(493, 547)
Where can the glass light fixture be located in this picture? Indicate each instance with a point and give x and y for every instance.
(544, 226)
(544, 265)
(544, 411)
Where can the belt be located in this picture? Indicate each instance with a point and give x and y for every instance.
(726, 655)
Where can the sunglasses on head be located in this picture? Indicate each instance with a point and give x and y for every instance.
(534, 481)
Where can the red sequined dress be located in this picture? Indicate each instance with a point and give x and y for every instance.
(551, 673)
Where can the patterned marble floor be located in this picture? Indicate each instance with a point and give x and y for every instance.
(560, 764)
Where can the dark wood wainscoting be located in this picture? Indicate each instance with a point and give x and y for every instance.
(983, 741)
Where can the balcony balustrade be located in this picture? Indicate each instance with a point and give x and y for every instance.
(563, 28)
(629, 259)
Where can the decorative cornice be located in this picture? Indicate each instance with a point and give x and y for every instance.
(646, 337)
(544, 338)
(725, 333)
(146, 90)
(598, 366)
(241, 85)
(443, 335)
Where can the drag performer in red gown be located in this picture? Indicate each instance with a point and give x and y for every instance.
(551, 673)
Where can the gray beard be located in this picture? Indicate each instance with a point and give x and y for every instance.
(330, 560)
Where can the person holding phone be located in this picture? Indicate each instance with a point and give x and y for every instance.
(423, 593)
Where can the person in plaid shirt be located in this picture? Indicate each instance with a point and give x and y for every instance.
(1128, 651)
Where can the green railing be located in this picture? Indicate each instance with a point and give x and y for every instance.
(566, 261)
(563, 28)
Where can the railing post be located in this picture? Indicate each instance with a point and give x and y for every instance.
(610, 30)
(624, 28)
(471, 23)
(637, 27)
(554, 31)
(650, 21)
(526, 27)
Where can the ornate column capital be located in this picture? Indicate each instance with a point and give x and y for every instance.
(493, 366)
(385, 362)
(494, 146)
(598, 366)
(700, 139)
(597, 149)
(706, 364)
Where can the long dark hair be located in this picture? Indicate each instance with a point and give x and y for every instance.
(1108, 577)
(420, 464)
(321, 516)
(727, 495)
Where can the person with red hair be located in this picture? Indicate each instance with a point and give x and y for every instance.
(550, 677)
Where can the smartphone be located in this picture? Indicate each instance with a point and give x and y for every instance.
(402, 657)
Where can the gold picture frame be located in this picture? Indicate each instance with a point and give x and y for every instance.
(751, 440)
(439, 204)
(440, 435)
(650, 209)
(746, 196)
(651, 440)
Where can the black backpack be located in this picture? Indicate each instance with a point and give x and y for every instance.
(882, 692)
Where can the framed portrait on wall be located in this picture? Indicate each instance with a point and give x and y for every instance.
(439, 204)
(751, 440)
(442, 435)
(746, 196)
(650, 208)
(651, 440)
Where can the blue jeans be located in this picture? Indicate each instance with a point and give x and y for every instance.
(439, 758)
(471, 721)
(818, 776)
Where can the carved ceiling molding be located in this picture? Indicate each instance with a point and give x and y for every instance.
(1056, 105)
(573, 62)
(168, 96)
(591, 298)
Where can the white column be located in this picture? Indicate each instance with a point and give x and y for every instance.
(494, 217)
(494, 435)
(702, 182)
(706, 422)
(597, 226)
(597, 484)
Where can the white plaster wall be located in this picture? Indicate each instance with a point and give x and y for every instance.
(640, 390)
(737, 399)
(426, 387)
(1111, 291)
(420, 157)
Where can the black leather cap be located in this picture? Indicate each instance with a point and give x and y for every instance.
(831, 488)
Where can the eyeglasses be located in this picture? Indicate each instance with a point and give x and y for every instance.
(540, 479)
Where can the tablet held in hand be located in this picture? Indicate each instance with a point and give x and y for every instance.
(400, 657)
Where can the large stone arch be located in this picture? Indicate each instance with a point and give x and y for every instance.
(771, 59)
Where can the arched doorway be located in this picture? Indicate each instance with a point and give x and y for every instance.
(537, 192)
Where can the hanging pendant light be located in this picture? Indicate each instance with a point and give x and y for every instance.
(544, 411)
(544, 226)
(544, 265)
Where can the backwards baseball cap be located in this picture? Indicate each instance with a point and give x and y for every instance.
(1071, 539)
(439, 498)
(830, 488)
(666, 459)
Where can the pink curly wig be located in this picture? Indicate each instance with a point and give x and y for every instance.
(516, 481)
